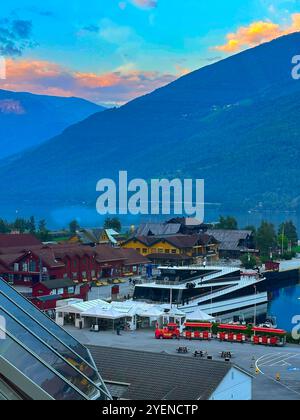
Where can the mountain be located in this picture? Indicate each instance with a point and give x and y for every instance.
(235, 123)
(26, 120)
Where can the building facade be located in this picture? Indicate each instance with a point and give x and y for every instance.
(175, 249)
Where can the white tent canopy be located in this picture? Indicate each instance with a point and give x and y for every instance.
(103, 313)
(198, 315)
(153, 312)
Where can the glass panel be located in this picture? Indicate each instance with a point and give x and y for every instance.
(28, 322)
(49, 357)
(36, 371)
(45, 321)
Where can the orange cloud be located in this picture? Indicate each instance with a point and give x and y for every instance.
(257, 33)
(47, 78)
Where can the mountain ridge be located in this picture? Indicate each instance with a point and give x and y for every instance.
(27, 119)
(234, 123)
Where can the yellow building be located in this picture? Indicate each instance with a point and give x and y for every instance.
(179, 247)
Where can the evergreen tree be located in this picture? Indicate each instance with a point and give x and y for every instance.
(266, 238)
(289, 230)
(227, 223)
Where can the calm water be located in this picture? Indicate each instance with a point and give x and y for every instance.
(285, 305)
(59, 217)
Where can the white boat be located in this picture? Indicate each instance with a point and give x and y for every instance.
(217, 291)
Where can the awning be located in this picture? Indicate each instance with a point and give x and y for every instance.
(151, 313)
(103, 313)
(198, 315)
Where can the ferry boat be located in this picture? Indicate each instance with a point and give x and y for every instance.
(222, 292)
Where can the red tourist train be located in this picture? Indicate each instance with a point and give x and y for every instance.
(234, 333)
(198, 331)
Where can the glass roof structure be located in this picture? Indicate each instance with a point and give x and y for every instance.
(38, 359)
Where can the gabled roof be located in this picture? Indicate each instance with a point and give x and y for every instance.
(132, 257)
(18, 240)
(56, 284)
(158, 229)
(230, 239)
(157, 376)
(93, 236)
(178, 241)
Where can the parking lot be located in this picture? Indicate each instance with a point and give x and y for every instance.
(263, 362)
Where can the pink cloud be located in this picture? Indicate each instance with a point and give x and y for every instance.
(257, 33)
(44, 77)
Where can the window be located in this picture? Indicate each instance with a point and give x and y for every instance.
(145, 250)
(32, 266)
(167, 251)
(160, 251)
(84, 275)
(174, 251)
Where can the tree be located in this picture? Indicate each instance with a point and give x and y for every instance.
(20, 225)
(113, 223)
(73, 226)
(266, 238)
(249, 261)
(227, 223)
(43, 232)
(4, 227)
(289, 230)
(32, 225)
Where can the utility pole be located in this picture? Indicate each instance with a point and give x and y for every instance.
(255, 308)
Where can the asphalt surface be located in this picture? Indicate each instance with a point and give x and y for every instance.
(264, 363)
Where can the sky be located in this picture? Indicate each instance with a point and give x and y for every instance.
(111, 51)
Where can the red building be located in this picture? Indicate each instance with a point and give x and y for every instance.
(46, 294)
(26, 261)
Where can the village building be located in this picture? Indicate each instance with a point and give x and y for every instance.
(234, 243)
(178, 249)
(141, 375)
(95, 237)
(25, 261)
(175, 226)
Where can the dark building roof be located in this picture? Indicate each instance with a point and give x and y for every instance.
(159, 376)
(18, 240)
(178, 241)
(231, 240)
(158, 229)
(56, 284)
(132, 257)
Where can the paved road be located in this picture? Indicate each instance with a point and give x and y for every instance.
(268, 361)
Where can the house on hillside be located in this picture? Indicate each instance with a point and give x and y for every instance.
(234, 243)
(95, 237)
(177, 250)
(175, 226)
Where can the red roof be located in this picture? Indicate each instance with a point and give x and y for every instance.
(198, 324)
(18, 240)
(233, 327)
(269, 330)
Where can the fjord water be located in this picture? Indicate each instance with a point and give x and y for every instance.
(285, 305)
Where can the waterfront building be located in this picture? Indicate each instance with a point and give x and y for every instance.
(178, 249)
(234, 243)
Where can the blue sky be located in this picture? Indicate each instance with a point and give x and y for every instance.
(111, 51)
